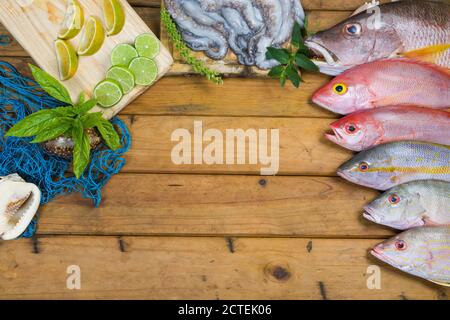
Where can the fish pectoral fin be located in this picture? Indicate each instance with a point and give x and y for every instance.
(427, 54)
(445, 284)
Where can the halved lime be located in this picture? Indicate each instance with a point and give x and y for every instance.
(67, 59)
(92, 38)
(114, 16)
(73, 21)
(123, 76)
(108, 93)
(147, 45)
(123, 54)
(145, 71)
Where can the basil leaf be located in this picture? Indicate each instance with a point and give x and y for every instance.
(297, 35)
(91, 120)
(305, 63)
(283, 79)
(53, 132)
(30, 125)
(81, 150)
(64, 111)
(276, 71)
(108, 134)
(50, 85)
(85, 107)
(293, 75)
(281, 55)
(81, 98)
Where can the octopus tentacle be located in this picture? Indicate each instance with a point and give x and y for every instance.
(271, 11)
(219, 44)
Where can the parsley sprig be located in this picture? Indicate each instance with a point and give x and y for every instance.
(71, 119)
(175, 36)
(292, 60)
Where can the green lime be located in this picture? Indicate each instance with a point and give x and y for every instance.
(147, 45)
(123, 76)
(108, 93)
(122, 55)
(145, 71)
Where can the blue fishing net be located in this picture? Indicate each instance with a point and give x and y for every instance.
(19, 97)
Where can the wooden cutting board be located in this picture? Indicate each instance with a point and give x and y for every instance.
(35, 25)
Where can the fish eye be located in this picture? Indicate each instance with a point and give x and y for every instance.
(340, 88)
(400, 245)
(394, 199)
(363, 167)
(351, 129)
(353, 29)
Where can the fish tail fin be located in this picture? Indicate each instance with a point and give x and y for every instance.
(428, 54)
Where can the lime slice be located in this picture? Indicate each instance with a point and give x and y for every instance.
(147, 45)
(114, 16)
(67, 59)
(145, 71)
(108, 93)
(123, 76)
(73, 21)
(122, 55)
(92, 38)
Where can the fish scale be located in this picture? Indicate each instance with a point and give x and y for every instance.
(398, 162)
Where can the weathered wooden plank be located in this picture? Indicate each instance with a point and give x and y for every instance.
(303, 150)
(307, 4)
(140, 204)
(236, 97)
(196, 96)
(201, 268)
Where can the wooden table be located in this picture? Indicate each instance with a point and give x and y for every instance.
(213, 232)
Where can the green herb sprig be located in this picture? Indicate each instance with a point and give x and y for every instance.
(71, 120)
(175, 36)
(292, 59)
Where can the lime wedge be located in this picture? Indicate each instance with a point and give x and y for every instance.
(73, 21)
(147, 45)
(108, 93)
(114, 16)
(67, 59)
(123, 76)
(92, 38)
(145, 71)
(122, 55)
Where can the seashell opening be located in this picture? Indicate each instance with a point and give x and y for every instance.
(19, 202)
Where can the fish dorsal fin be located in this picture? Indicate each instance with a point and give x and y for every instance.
(445, 284)
(428, 54)
(366, 6)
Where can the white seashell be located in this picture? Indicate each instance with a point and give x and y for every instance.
(19, 202)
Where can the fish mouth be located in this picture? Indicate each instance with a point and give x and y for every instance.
(369, 214)
(378, 254)
(333, 135)
(322, 54)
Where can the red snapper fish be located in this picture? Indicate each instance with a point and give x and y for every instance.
(423, 252)
(365, 129)
(386, 83)
(415, 28)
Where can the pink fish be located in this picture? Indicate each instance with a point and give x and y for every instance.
(365, 129)
(386, 83)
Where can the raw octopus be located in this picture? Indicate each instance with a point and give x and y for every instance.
(247, 27)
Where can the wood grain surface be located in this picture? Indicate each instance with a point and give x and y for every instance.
(165, 231)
